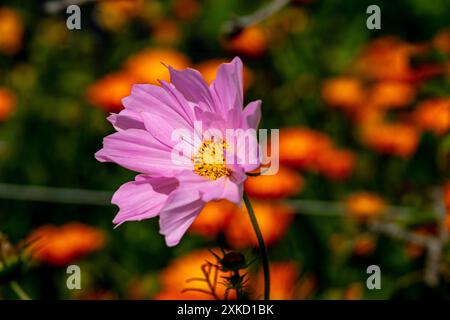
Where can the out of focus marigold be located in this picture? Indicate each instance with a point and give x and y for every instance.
(391, 94)
(108, 92)
(365, 205)
(166, 32)
(336, 164)
(447, 195)
(285, 183)
(387, 58)
(442, 41)
(273, 219)
(7, 103)
(433, 115)
(252, 42)
(300, 147)
(213, 218)
(61, 245)
(11, 31)
(391, 138)
(186, 9)
(343, 92)
(147, 67)
(354, 291)
(208, 69)
(113, 15)
(364, 245)
(173, 278)
(284, 280)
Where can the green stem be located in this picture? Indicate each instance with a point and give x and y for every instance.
(19, 291)
(262, 247)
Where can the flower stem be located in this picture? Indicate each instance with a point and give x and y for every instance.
(262, 247)
(19, 291)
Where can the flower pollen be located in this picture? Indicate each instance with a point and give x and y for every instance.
(210, 160)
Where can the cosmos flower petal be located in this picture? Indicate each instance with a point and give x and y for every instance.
(142, 198)
(193, 87)
(126, 120)
(251, 115)
(139, 151)
(227, 87)
(223, 188)
(182, 207)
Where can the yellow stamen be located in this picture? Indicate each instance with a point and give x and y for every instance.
(210, 160)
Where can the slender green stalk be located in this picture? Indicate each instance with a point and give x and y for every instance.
(19, 291)
(262, 247)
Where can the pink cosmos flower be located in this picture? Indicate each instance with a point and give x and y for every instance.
(178, 190)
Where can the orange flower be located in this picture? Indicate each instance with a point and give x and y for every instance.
(166, 32)
(285, 183)
(186, 9)
(11, 31)
(173, 278)
(7, 103)
(386, 58)
(213, 218)
(447, 195)
(442, 41)
(391, 138)
(284, 280)
(273, 219)
(109, 91)
(447, 222)
(343, 92)
(365, 205)
(336, 164)
(364, 245)
(209, 68)
(113, 15)
(148, 66)
(391, 94)
(300, 147)
(61, 245)
(251, 41)
(354, 291)
(434, 115)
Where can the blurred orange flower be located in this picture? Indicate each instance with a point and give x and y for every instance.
(285, 183)
(336, 164)
(343, 92)
(273, 219)
(387, 58)
(113, 15)
(186, 9)
(7, 103)
(61, 245)
(109, 91)
(433, 115)
(364, 245)
(252, 41)
(213, 218)
(300, 147)
(354, 291)
(391, 138)
(442, 41)
(447, 195)
(148, 66)
(365, 205)
(166, 32)
(209, 68)
(284, 281)
(173, 278)
(391, 94)
(11, 31)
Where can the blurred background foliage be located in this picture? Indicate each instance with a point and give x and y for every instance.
(318, 70)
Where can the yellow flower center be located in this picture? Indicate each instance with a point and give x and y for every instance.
(210, 160)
